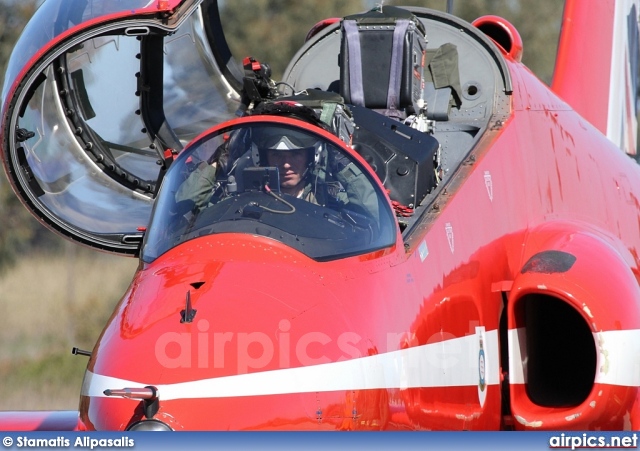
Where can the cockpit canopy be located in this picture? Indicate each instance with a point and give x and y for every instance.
(243, 178)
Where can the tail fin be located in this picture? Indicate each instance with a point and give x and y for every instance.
(597, 66)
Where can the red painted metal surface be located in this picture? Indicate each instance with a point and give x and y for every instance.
(543, 180)
(482, 238)
(583, 60)
(503, 33)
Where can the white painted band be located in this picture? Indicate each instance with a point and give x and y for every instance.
(450, 363)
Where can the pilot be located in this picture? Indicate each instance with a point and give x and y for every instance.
(308, 169)
(293, 154)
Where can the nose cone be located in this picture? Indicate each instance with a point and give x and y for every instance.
(215, 307)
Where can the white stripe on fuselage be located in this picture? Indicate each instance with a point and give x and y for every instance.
(450, 363)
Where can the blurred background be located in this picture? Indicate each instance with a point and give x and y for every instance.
(55, 295)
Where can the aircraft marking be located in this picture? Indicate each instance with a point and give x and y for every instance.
(489, 184)
(423, 250)
(483, 369)
(449, 229)
(449, 363)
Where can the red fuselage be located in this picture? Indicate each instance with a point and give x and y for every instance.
(403, 338)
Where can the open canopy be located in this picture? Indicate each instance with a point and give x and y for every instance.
(97, 96)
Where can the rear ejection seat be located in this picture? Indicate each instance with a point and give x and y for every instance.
(382, 61)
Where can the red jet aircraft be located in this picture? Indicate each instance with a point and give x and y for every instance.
(409, 232)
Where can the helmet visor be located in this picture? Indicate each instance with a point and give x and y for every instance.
(277, 138)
